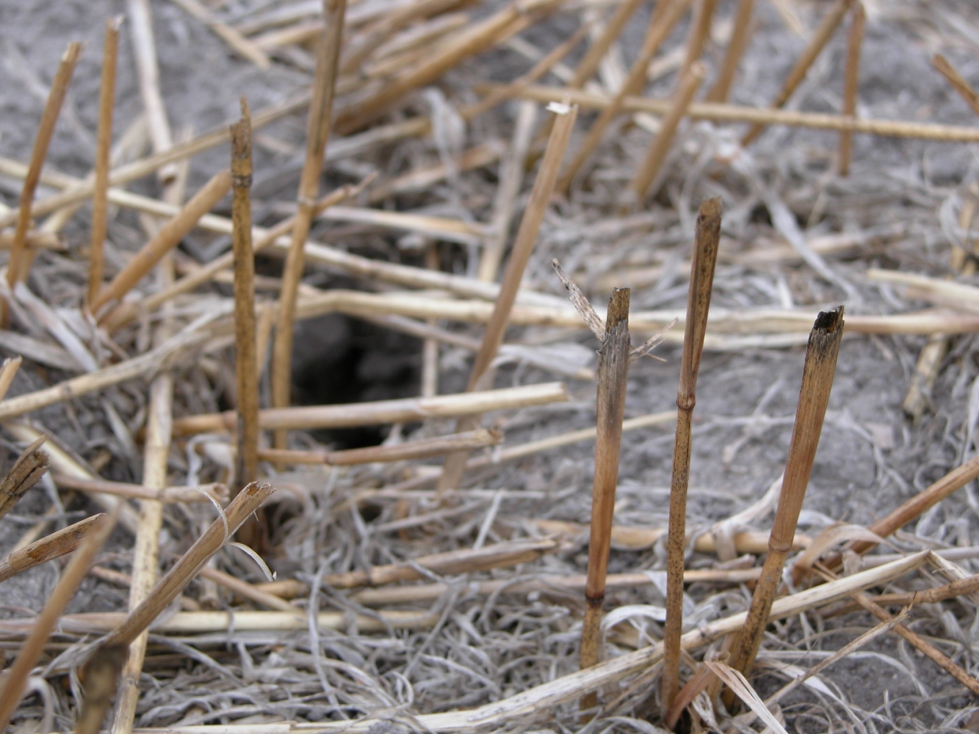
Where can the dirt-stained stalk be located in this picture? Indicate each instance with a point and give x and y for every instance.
(817, 381)
(613, 374)
(708, 234)
(16, 265)
(100, 196)
(854, 42)
(317, 136)
(246, 368)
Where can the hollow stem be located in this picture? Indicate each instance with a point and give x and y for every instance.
(850, 83)
(317, 136)
(817, 381)
(708, 235)
(613, 373)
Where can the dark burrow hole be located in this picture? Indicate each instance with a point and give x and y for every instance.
(337, 359)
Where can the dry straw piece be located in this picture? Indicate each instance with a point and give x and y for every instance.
(817, 382)
(165, 240)
(53, 546)
(706, 243)
(523, 246)
(166, 590)
(15, 680)
(613, 376)
(24, 474)
(854, 42)
(246, 359)
(19, 257)
(817, 43)
(317, 137)
(100, 200)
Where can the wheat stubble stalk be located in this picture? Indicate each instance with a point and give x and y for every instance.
(523, 246)
(246, 367)
(817, 381)
(19, 257)
(854, 42)
(100, 194)
(708, 234)
(317, 137)
(613, 374)
(820, 38)
(740, 35)
(666, 15)
(164, 241)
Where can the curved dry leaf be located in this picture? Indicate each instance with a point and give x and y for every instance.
(743, 690)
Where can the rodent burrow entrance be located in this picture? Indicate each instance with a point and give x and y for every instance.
(339, 359)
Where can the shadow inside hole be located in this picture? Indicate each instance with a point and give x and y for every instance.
(337, 359)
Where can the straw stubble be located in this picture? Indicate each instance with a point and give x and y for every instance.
(317, 137)
(523, 246)
(707, 239)
(246, 366)
(19, 257)
(100, 196)
(613, 374)
(817, 381)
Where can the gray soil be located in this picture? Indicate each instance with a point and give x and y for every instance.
(871, 456)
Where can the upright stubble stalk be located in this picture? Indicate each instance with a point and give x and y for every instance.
(817, 381)
(698, 304)
(613, 373)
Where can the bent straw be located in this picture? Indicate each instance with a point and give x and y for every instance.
(740, 35)
(107, 97)
(798, 72)
(165, 240)
(523, 246)
(15, 681)
(246, 364)
(817, 381)
(317, 136)
(49, 118)
(854, 42)
(708, 235)
(613, 375)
